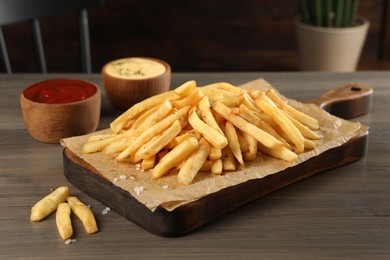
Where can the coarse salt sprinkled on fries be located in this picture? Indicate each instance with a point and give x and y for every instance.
(212, 128)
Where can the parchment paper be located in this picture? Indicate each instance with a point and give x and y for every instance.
(166, 192)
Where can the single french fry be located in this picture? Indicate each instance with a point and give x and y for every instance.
(216, 167)
(309, 144)
(215, 138)
(64, 224)
(48, 204)
(287, 126)
(233, 142)
(263, 137)
(157, 144)
(175, 157)
(215, 153)
(186, 88)
(244, 146)
(228, 161)
(206, 115)
(148, 163)
(280, 152)
(224, 86)
(194, 163)
(99, 137)
(152, 131)
(140, 107)
(84, 214)
(250, 155)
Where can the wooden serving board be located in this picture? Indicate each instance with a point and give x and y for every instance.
(195, 214)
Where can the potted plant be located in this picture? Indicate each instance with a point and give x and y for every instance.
(330, 34)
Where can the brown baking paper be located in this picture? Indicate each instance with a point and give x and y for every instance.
(167, 193)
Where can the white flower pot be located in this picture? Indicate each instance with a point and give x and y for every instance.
(330, 49)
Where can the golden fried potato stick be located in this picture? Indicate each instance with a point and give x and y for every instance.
(250, 155)
(140, 107)
(48, 204)
(206, 115)
(151, 132)
(228, 161)
(186, 88)
(216, 167)
(233, 143)
(279, 152)
(215, 153)
(84, 214)
(148, 163)
(215, 138)
(263, 137)
(64, 224)
(225, 86)
(194, 163)
(175, 156)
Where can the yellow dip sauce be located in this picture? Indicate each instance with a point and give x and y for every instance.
(135, 68)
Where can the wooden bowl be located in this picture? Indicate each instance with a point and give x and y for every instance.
(128, 81)
(60, 108)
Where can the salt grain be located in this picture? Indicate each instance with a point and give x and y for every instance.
(105, 211)
(122, 177)
(138, 190)
(74, 240)
(115, 180)
(68, 241)
(165, 186)
(131, 178)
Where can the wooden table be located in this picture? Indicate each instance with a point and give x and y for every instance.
(344, 212)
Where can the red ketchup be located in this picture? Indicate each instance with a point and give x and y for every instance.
(59, 91)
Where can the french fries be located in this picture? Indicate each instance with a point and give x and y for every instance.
(214, 128)
(60, 201)
(63, 221)
(84, 214)
(49, 204)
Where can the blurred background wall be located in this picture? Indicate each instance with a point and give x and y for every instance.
(203, 35)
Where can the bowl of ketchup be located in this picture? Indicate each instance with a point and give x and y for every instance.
(59, 108)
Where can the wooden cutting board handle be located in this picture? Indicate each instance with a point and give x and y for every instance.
(347, 101)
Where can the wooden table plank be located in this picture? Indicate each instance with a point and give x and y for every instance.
(342, 213)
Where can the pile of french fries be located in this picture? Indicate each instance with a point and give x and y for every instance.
(60, 201)
(213, 128)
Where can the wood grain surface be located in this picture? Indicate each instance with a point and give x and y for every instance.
(343, 213)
